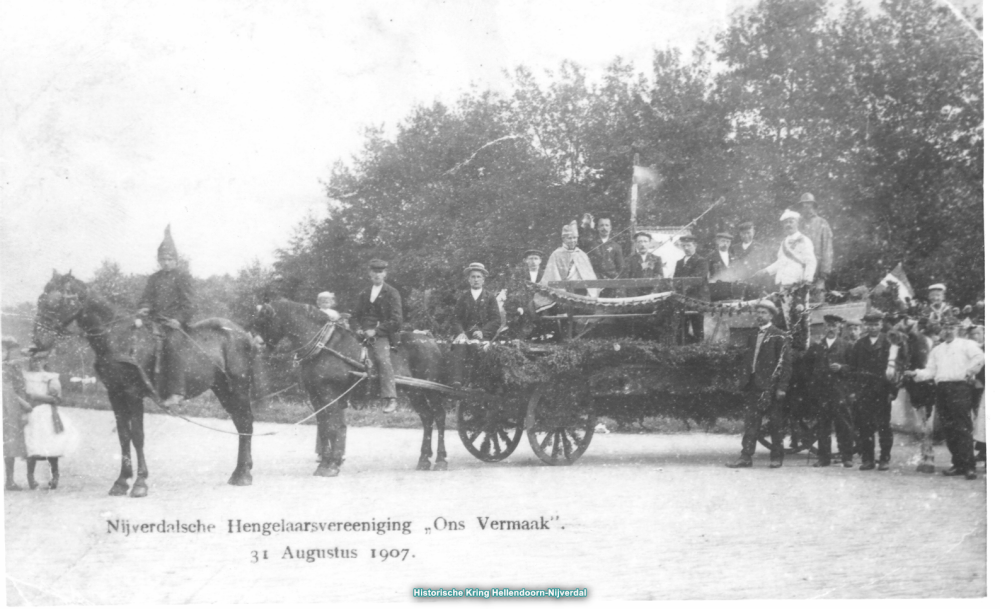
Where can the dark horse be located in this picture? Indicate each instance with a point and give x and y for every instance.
(326, 376)
(220, 356)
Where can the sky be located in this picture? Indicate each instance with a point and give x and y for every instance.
(224, 119)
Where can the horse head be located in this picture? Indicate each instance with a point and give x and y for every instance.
(265, 324)
(58, 306)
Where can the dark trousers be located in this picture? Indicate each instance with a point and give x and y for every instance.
(874, 415)
(692, 329)
(833, 412)
(460, 362)
(382, 356)
(954, 403)
(171, 371)
(764, 403)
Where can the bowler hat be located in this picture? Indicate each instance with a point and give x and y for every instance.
(376, 264)
(833, 319)
(766, 304)
(476, 266)
(807, 197)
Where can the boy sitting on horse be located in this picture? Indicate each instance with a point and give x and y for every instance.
(326, 301)
(168, 301)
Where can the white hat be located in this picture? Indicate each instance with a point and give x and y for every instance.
(570, 230)
(790, 214)
(937, 286)
(325, 295)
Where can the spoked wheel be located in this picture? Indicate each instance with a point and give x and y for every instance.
(491, 432)
(560, 423)
(801, 436)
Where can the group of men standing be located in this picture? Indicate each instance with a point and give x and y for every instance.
(852, 382)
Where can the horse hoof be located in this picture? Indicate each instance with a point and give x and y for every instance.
(441, 466)
(424, 465)
(53, 484)
(118, 489)
(327, 472)
(139, 490)
(241, 479)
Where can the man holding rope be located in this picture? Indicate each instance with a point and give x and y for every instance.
(378, 316)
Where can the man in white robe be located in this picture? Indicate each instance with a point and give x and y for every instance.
(566, 263)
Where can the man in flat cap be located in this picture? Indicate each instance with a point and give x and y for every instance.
(695, 266)
(605, 253)
(826, 360)
(765, 375)
(642, 264)
(168, 300)
(953, 366)
(477, 318)
(378, 316)
(720, 261)
(818, 231)
(869, 362)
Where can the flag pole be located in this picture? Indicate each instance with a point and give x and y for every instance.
(634, 202)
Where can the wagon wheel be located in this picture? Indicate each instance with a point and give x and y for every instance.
(800, 432)
(560, 424)
(489, 432)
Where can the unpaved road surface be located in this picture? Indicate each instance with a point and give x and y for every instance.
(638, 517)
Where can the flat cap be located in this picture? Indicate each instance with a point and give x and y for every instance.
(937, 286)
(790, 214)
(532, 253)
(377, 264)
(724, 235)
(644, 234)
(687, 239)
(873, 315)
(833, 319)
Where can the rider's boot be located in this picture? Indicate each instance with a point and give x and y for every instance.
(390, 405)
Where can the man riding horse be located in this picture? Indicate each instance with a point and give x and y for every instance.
(378, 317)
(167, 301)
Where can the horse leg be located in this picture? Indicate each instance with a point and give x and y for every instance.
(441, 464)
(136, 413)
(323, 443)
(237, 404)
(419, 403)
(123, 425)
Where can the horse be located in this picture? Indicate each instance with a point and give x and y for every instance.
(325, 373)
(219, 356)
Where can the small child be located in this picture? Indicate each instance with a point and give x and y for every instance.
(326, 301)
(48, 434)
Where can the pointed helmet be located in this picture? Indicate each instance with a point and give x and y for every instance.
(167, 248)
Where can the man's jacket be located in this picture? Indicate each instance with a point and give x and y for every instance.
(169, 294)
(767, 360)
(482, 314)
(385, 315)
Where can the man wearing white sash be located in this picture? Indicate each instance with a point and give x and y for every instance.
(796, 261)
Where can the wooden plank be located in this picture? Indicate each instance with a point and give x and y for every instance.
(667, 284)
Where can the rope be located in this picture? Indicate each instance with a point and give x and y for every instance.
(270, 433)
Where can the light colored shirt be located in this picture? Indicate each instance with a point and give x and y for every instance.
(725, 257)
(796, 261)
(375, 291)
(830, 341)
(952, 361)
(533, 275)
(332, 314)
(476, 293)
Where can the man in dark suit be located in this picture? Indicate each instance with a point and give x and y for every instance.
(721, 260)
(605, 254)
(519, 306)
(378, 316)
(643, 264)
(765, 376)
(869, 360)
(477, 317)
(826, 361)
(692, 265)
(169, 302)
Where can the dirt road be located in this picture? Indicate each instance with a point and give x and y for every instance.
(638, 517)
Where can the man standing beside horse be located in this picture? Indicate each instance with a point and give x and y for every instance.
(168, 301)
(378, 317)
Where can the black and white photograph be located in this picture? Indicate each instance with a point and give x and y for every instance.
(398, 301)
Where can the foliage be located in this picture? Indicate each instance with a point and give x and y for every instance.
(878, 113)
